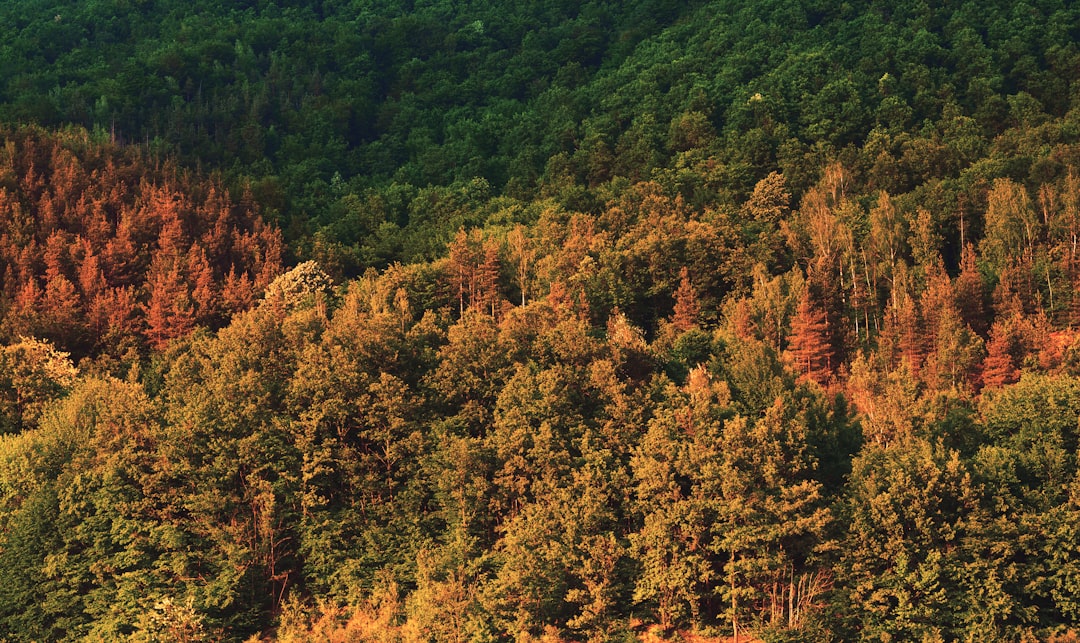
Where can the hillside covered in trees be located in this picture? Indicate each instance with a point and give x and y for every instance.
(332, 321)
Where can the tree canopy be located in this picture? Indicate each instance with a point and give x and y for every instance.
(429, 321)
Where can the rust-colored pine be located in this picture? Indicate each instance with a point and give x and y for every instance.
(91, 276)
(999, 366)
(687, 308)
(121, 313)
(62, 318)
(488, 277)
(169, 311)
(203, 286)
(808, 343)
(461, 276)
(1015, 292)
(238, 291)
(912, 341)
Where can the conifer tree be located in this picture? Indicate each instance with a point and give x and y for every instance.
(999, 367)
(63, 318)
(953, 349)
(911, 339)
(687, 308)
(169, 310)
(808, 342)
(204, 288)
(462, 265)
(91, 276)
(237, 292)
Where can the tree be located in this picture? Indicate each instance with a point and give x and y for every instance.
(768, 207)
(886, 399)
(62, 318)
(32, 374)
(461, 266)
(770, 201)
(472, 368)
(1061, 527)
(887, 235)
(170, 313)
(909, 508)
(770, 520)
(971, 293)
(999, 367)
(732, 514)
(1065, 221)
(561, 558)
(953, 350)
(904, 336)
(115, 315)
(686, 305)
(237, 292)
(808, 342)
(955, 354)
(231, 448)
(89, 467)
(523, 256)
(1031, 420)
(303, 285)
(204, 290)
(93, 217)
(670, 546)
(1012, 225)
(27, 606)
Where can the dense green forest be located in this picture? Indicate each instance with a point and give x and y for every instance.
(539, 321)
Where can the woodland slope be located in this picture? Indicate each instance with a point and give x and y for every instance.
(554, 321)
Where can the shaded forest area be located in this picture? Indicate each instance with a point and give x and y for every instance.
(441, 322)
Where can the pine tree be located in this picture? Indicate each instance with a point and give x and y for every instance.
(911, 335)
(999, 367)
(237, 293)
(1014, 294)
(462, 265)
(117, 317)
(121, 257)
(204, 287)
(63, 321)
(488, 277)
(808, 342)
(953, 349)
(91, 276)
(687, 308)
(25, 312)
(170, 312)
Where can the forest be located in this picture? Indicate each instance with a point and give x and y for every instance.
(725, 320)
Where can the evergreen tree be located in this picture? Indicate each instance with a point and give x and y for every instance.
(808, 342)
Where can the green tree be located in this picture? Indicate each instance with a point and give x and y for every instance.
(909, 508)
(32, 374)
